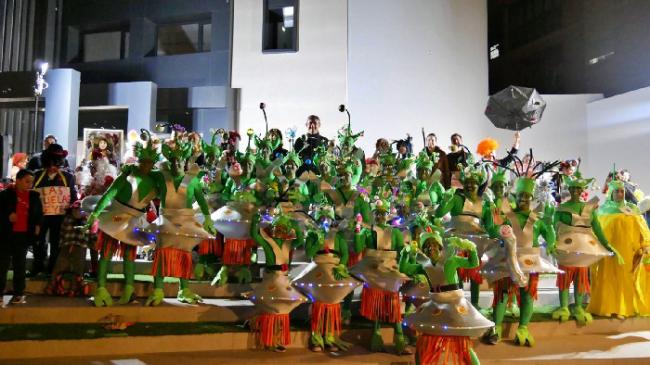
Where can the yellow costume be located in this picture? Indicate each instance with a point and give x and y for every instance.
(616, 289)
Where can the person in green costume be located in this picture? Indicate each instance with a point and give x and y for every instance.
(176, 230)
(578, 230)
(470, 214)
(121, 214)
(348, 205)
(380, 300)
(275, 297)
(326, 281)
(447, 321)
(515, 269)
(426, 187)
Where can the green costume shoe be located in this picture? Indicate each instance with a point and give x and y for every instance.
(127, 295)
(156, 298)
(523, 337)
(188, 296)
(316, 342)
(582, 317)
(562, 314)
(401, 345)
(333, 343)
(493, 336)
(102, 298)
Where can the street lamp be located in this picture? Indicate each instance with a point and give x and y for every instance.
(39, 87)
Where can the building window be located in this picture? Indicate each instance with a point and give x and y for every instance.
(105, 46)
(280, 32)
(184, 38)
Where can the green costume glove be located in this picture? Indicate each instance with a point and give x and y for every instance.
(208, 225)
(340, 272)
(461, 243)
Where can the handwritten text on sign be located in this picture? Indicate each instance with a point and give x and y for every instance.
(55, 199)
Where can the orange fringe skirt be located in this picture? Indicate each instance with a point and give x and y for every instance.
(380, 305)
(108, 246)
(579, 276)
(237, 252)
(211, 246)
(326, 318)
(506, 285)
(272, 329)
(175, 263)
(432, 349)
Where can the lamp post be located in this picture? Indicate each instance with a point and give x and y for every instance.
(39, 87)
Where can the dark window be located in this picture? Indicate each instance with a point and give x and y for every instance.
(280, 32)
(184, 38)
(104, 46)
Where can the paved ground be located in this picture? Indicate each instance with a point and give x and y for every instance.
(627, 348)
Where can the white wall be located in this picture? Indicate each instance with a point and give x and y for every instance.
(560, 135)
(619, 132)
(293, 85)
(418, 63)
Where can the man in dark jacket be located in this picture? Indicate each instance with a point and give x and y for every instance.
(443, 163)
(307, 144)
(35, 162)
(20, 220)
(58, 191)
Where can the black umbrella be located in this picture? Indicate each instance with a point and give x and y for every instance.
(515, 108)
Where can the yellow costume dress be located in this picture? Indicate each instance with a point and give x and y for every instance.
(619, 289)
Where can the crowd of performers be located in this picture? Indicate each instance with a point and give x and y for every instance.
(405, 227)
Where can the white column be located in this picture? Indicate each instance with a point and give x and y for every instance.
(140, 97)
(62, 109)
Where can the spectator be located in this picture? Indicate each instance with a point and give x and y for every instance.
(441, 161)
(18, 162)
(307, 144)
(20, 220)
(276, 143)
(58, 191)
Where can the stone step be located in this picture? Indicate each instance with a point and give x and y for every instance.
(605, 340)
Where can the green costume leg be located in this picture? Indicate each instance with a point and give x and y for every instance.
(498, 313)
(158, 284)
(222, 276)
(475, 293)
(129, 275)
(186, 295)
(377, 342)
(523, 337)
(473, 357)
(583, 317)
(101, 296)
(400, 341)
(346, 309)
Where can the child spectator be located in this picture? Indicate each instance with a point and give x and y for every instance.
(21, 214)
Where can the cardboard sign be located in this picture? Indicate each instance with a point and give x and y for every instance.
(55, 199)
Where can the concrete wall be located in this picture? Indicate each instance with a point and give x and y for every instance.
(619, 132)
(293, 85)
(418, 63)
(141, 18)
